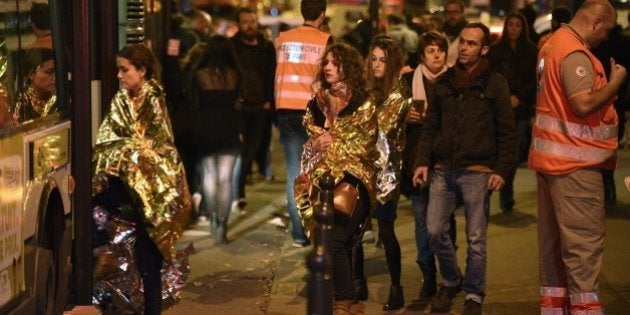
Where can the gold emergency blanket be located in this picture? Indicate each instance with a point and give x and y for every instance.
(391, 141)
(30, 106)
(135, 142)
(352, 151)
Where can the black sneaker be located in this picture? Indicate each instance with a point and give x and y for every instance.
(471, 307)
(441, 302)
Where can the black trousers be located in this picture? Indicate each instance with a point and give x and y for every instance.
(149, 262)
(346, 236)
(253, 125)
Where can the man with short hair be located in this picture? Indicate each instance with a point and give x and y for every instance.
(469, 139)
(257, 58)
(298, 53)
(574, 138)
(454, 22)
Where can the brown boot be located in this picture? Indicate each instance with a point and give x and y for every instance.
(342, 307)
(357, 309)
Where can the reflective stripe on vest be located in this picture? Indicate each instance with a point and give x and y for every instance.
(575, 130)
(586, 304)
(562, 141)
(553, 301)
(298, 54)
(570, 152)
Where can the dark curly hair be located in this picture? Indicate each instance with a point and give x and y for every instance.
(350, 65)
(139, 55)
(395, 62)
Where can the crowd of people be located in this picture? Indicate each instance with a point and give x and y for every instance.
(443, 117)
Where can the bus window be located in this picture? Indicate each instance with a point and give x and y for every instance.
(27, 68)
(37, 94)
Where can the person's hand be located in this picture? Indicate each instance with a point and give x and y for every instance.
(627, 180)
(322, 142)
(413, 117)
(420, 176)
(617, 71)
(514, 101)
(495, 182)
(266, 106)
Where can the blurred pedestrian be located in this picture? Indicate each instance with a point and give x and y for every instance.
(455, 20)
(574, 137)
(514, 57)
(216, 86)
(559, 15)
(298, 52)
(407, 38)
(257, 59)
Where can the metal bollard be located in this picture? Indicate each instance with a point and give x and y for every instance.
(319, 261)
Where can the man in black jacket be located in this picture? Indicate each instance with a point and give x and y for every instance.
(469, 139)
(257, 57)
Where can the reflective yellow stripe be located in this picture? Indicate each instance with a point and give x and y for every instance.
(570, 152)
(553, 291)
(575, 130)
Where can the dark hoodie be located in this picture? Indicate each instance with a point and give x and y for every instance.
(258, 65)
(469, 127)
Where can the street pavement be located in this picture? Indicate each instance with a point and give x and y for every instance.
(259, 272)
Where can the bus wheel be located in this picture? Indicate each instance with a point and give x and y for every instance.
(46, 282)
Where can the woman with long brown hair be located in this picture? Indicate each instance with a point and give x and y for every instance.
(514, 56)
(342, 126)
(392, 96)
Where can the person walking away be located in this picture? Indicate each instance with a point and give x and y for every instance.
(215, 89)
(469, 139)
(574, 137)
(298, 55)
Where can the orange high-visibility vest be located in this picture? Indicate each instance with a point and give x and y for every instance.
(298, 52)
(563, 142)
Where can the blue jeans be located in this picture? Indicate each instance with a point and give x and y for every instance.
(425, 258)
(446, 186)
(292, 136)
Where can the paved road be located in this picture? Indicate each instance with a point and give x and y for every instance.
(259, 272)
